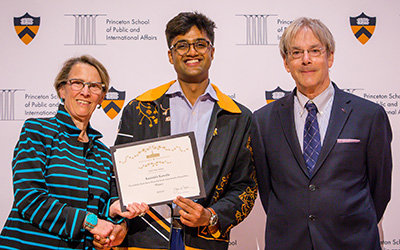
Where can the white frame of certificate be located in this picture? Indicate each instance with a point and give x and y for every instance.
(156, 171)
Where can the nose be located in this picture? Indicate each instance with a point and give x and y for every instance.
(85, 90)
(306, 58)
(192, 50)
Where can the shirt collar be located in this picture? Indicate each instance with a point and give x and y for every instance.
(321, 101)
(177, 89)
(224, 101)
(69, 127)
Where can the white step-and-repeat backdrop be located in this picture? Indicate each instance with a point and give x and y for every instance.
(127, 36)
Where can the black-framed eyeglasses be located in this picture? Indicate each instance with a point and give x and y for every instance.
(94, 87)
(299, 53)
(182, 47)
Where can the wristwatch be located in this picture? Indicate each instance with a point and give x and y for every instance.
(214, 217)
(90, 221)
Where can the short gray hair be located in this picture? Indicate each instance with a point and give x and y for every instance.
(321, 32)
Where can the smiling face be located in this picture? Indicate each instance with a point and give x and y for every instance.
(311, 74)
(81, 104)
(192, 67)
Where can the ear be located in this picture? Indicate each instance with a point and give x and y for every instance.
(285, 63)
(330, 59)
(212, 53)
(102, 98)
(61, 91)
(171, 61)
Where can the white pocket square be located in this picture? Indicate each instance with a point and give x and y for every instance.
(348, 141)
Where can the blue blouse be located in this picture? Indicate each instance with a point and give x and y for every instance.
(57, 180)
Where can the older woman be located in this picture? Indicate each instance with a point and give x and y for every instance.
(61, 170)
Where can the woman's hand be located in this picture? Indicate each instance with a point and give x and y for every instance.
(103, 228)
(116, 237)
(133, 210)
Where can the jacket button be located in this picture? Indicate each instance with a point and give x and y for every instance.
(311, 217)
(91, 196)
(312, 187)
(90, 171)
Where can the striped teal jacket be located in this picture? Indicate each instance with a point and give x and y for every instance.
(56, 181)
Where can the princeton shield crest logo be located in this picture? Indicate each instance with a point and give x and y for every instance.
(26, 27)
(275, 94)
(363, 27)
(113, 102)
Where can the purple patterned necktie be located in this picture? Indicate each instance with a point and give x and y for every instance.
(312, 138)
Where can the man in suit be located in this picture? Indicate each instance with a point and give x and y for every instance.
(324, 175)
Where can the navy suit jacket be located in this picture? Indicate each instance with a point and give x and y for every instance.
(339, 206)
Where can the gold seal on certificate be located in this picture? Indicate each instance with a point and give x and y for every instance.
(156, 171)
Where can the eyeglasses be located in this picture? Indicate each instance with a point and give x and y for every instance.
(183, 47)
(299, 53)
(94, 87)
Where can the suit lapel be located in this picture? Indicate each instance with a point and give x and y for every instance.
(286, 118)
(341, 110)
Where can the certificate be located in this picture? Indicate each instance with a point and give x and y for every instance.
(156, 171)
